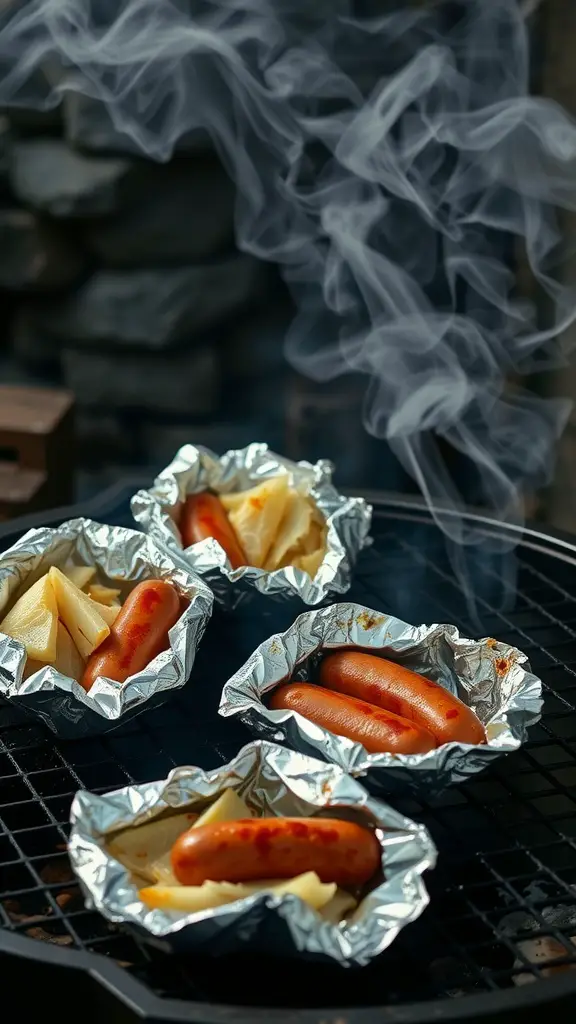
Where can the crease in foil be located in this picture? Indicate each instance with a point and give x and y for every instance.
(124, 558)
(197, 469)
(273, 781)
(494, 679)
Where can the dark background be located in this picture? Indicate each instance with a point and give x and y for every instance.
(120, 280)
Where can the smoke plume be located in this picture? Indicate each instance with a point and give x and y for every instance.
(392, 163)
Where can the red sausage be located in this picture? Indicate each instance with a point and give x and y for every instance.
(253, 848)
(378, 731)
(397, 689)
(205, 516)
(138, 635)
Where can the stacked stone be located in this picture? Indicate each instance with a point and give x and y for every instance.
(124, 284)
(120, 280)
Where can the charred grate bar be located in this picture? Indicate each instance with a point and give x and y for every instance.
(503, 908)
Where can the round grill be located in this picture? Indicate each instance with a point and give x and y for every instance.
(498, 942)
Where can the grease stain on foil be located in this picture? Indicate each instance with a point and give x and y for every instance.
(196, 468)
(493, 679)
(273, 781)
(124, 557)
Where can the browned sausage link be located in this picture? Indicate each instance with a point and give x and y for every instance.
(377, 730)
(397, 689)
(138, 635)
(204, 516)
(250, 849)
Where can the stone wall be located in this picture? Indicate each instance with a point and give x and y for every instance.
(120, 280)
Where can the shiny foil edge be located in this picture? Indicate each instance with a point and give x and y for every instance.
(196, 468)
(491, 677)
(281, 782)
(122, 555)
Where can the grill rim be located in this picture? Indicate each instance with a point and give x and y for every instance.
(139, 1002)
(135, 998)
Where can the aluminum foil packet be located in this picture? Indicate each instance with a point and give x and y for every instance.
(123, 558)
(274, 782)
(196, 469)
(492, 678)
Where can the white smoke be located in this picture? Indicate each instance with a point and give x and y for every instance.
(390, 164)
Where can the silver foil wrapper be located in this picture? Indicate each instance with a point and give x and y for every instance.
(492, 678)
(273, 781)
(123, 558)
(197, 469)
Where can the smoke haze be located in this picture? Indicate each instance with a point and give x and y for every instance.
(391, 164)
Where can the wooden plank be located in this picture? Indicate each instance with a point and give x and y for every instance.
(32, 410)
(36, 449)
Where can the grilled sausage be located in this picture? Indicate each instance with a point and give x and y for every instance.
(205, 516)
(402, 692)
(378, 731)
(139, 633)
(255, 848)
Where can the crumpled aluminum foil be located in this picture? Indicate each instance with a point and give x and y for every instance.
(123, 557)
(197, 469)
(493, 679)
(273, 781)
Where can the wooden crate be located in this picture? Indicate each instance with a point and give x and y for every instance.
(36, 449)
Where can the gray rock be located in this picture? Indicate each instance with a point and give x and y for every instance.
(269, 396)
(256, 372)
(42, 116)
(178, 383)
(155, 309)
(35, 254)
(254, 348)
(89, 126)
(105, 438)
(188, 216)
(161, 441)
(93, 483)
(48, 175)
(13, 372)
(32, 348)
(34, 121)
(325, 421)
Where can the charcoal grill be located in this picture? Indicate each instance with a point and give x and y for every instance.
(505, 886)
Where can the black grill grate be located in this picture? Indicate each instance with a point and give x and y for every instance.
(503, 898)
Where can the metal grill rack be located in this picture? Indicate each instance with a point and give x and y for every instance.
(503, 898)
